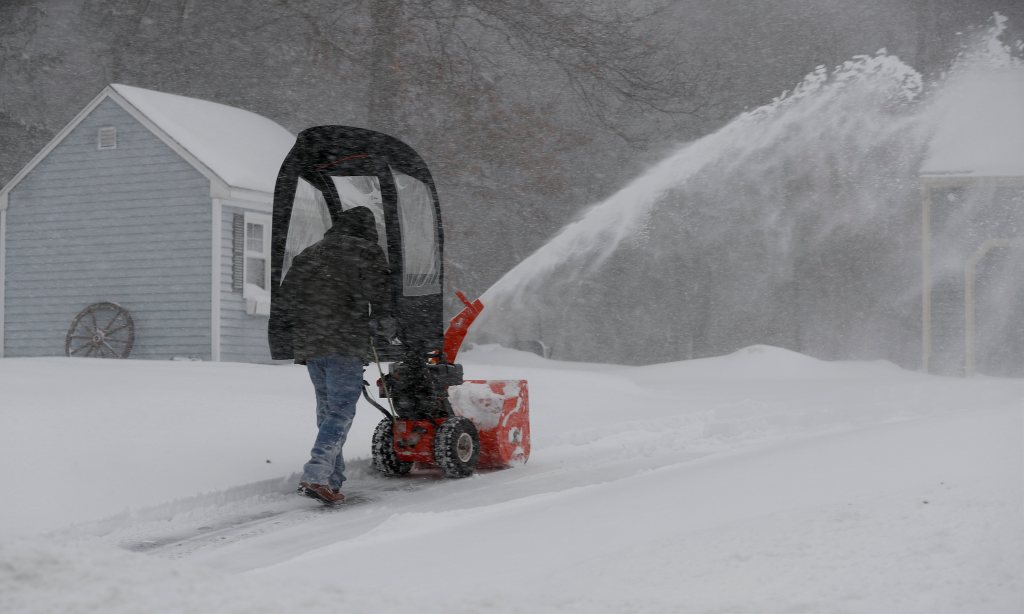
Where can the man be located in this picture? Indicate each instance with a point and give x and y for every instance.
(330, 295)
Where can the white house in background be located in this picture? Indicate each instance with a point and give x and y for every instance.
(972, 187)
(149, 215)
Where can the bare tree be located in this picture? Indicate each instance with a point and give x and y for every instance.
(18, 30)
(503, 95)
(21, 66)
(611, 57)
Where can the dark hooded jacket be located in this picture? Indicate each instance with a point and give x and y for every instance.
(331, 292)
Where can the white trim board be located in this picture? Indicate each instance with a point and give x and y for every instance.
(3, 276)
(215, 303)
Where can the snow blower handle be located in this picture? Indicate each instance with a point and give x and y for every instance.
(383, 410)
(384, 382)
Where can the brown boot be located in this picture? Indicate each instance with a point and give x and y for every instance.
(321, 493)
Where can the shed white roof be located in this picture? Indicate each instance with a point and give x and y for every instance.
(981, 129)
(242, 148)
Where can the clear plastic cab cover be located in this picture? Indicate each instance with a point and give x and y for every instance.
(311, 218)
(421, 254)
(417, 220)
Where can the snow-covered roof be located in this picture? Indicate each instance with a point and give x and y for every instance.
(239, 151)
(981, 131)
(242, 148)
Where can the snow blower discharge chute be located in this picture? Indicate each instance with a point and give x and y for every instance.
(434, 417)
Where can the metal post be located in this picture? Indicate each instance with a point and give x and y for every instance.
(926, 278)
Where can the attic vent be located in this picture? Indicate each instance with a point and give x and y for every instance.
(107, 138)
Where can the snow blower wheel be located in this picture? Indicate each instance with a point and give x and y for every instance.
(384, 458)
(457, 447)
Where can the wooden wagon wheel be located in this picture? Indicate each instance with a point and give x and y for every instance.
(101, 330)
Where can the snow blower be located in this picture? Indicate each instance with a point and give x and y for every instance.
(434, 417)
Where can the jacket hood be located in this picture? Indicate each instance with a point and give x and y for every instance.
(356, 222)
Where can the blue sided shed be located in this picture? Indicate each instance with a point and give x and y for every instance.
(142, 229)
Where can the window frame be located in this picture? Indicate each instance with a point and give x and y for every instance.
(256, 219)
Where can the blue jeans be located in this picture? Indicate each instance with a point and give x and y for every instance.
(337, 381)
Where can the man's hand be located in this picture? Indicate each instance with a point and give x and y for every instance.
(385, 327)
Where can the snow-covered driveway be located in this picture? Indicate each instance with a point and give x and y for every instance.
(763, 481)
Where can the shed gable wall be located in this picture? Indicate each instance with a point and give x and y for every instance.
(130, 225)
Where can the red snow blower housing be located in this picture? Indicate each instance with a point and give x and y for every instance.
(435, 416)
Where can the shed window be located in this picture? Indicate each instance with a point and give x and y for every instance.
(107, 138)
(256, 255)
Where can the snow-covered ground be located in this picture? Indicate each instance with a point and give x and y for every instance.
(763, 481)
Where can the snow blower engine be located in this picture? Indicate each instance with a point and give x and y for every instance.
(434, 417)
